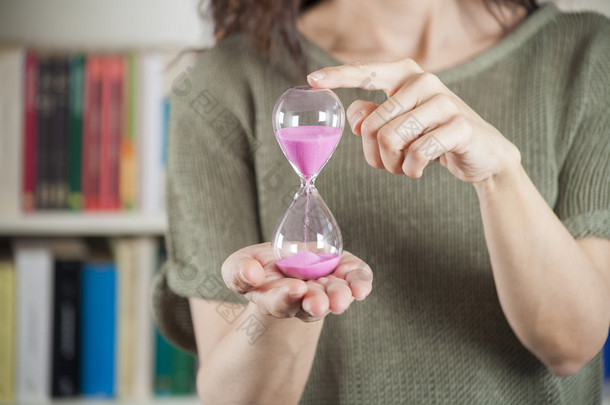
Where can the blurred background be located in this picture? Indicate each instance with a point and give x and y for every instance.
(79, 243)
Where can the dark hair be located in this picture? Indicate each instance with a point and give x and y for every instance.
(268, 24)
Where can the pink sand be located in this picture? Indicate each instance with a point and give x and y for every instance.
(308, 265)
(308, 147)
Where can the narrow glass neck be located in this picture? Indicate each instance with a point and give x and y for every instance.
(308, 180)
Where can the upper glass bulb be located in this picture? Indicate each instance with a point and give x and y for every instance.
(308, 124)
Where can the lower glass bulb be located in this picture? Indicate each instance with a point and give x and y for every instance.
(307, 241)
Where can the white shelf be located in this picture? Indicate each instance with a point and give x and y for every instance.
(83, 224)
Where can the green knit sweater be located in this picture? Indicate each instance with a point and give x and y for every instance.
(432, 331)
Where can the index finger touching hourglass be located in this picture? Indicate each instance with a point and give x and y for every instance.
(308, 125)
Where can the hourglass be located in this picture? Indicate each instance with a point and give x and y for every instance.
(308, 124)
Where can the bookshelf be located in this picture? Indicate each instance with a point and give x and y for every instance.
(150, 35)
(166, 26)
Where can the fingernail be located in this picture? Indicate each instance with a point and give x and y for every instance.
(336, 312)
(307, 309)
(317, 75)
(295, 295)
(355, 118)
(243, 277)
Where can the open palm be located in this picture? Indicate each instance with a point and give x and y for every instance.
(251, 271)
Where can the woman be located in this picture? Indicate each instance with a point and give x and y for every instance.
(474, 184)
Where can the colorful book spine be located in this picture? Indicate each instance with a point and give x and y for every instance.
(30, 146)
(164, 369)
(111, 131)
(91, 133)
(174, 369)
(11, 128)
(75, 131)
(66, 333)
(59, 134)
(128, 173)
(98, 326)
(124, 257)
(45, 107)
(183, 377)
(166, 111)
(165, 105)
(151, 124)
(145, 249)
(34, 266)
(7, 332)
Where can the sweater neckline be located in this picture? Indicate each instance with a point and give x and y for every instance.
(530, 26)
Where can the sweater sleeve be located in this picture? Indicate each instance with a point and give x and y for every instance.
(584, 185)
(211, 196)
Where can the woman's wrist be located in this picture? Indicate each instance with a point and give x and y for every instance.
(509, 174)
(293, 337)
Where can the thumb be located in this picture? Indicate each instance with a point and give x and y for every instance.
(242, 273)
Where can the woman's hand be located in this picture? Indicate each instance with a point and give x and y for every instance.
(422, 120)
(251, 271)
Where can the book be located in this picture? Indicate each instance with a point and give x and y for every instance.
(128, 185)
(110, 132)
(184, 374)
(164, 352)
(45, 108)
(33, 263)
(145, 249)
(90, 179)
(95, 131)
(136, 260)
(11, 113)
(30, 133)
(150, 121)
(164, 369)
(174, 369)
(98, 326)
(7, 331)
(66, 332)
(164, 144)
(58, 141)
(68, 254)
(124, 254)
(75, 130)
